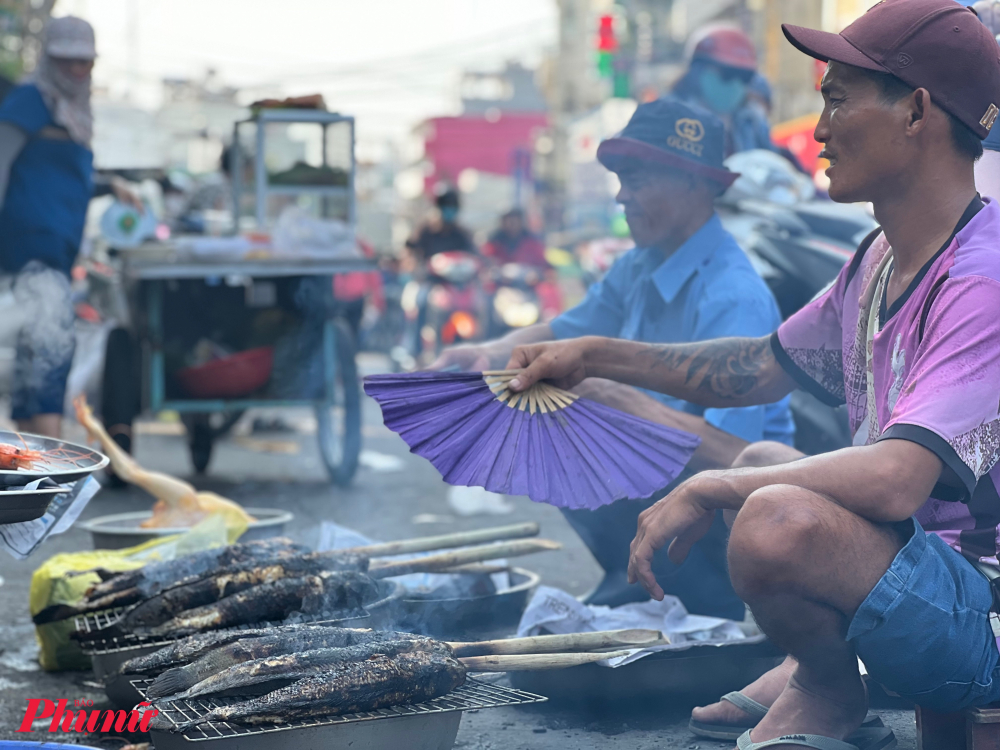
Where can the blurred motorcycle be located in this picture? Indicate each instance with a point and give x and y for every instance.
(515, 302)
(453, 300)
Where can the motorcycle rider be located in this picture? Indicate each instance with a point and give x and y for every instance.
(722, 77)
(685, 280)
(442, 233)
(514, 243)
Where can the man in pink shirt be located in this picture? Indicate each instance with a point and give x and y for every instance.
(885, 550)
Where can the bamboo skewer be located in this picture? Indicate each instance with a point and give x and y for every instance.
(436, 563)
(533, 662)
(545, 644)
(443, 541)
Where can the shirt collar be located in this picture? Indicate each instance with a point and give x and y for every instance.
(674, 272)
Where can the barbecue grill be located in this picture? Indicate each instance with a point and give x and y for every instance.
(432, 725)
(109, 645)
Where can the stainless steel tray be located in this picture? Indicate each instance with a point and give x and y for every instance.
(423, 726)
(64, 462)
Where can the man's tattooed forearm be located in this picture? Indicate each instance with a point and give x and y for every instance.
(727, 368)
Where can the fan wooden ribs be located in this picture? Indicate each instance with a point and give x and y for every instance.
(541, 397)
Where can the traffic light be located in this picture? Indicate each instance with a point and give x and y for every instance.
(607, 46)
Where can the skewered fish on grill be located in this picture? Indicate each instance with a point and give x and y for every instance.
(272, 602)
(232, 580)
(133, 586)
(192, 647)
(282, 641)
(247, 678)
(356, 686)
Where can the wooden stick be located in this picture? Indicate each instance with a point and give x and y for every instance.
(443, 541)
(533, 662)
(436, 563)
(548, 644)
(476, 569)
(501, 373)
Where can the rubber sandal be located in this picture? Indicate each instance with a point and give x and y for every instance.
(876, 738)
(757, 711)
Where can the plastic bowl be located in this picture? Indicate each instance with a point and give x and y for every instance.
(230, 377)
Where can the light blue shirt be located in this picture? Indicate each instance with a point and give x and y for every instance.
(707, 289)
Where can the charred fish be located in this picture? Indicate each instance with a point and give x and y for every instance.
(241, 679)
(232, 580)
(130, 587)
(356, 686)
(192, 647)
(271, 602)
(216, 660)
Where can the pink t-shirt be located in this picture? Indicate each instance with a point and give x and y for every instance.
(936, 364)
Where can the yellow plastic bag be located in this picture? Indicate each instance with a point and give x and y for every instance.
(65, 579)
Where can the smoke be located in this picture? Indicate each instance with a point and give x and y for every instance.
(43, 317)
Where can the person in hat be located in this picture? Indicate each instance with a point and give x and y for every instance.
(686, 280)
(46, 165)
(722, 77)
(885, 550)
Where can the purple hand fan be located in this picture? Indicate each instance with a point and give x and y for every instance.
(546, 443)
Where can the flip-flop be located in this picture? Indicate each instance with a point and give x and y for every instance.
(757, 711)
(876, 738)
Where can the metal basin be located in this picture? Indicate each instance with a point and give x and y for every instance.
(690, 677)
(25, 505)
(122, 529)
(475, 618)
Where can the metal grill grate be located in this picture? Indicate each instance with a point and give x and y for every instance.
(106, 638)
(474, 694)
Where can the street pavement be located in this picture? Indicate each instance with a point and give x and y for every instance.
(283, 470)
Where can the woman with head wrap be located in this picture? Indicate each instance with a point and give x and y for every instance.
(46, 183)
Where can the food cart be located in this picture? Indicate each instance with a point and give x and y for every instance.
(287, 161)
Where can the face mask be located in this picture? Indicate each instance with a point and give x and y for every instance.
(449, 213)
(721, 96)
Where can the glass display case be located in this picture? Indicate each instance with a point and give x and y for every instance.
(292, 157)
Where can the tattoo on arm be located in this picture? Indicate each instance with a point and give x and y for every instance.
(725, 368)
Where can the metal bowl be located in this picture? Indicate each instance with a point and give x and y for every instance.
(122, 529)
(475, 618)
(700, 673)
(17, 506)
(85, 460)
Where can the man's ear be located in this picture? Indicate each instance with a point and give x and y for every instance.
(919, 109)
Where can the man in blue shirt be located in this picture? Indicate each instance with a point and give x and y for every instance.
(686, 280)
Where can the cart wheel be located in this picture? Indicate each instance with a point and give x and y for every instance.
(339, 425)
(201, 438)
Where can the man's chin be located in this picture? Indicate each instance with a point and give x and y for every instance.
(840, 192)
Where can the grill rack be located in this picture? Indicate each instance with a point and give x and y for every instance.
(108, 639)
(474, 694)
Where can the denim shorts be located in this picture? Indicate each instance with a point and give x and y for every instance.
(924, 631)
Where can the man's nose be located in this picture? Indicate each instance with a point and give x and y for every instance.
(822, 130)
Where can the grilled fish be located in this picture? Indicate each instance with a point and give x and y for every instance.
(150, 579)
(278, 671)
(271, 601)
(192, 647)
(357, 686)
(247, 649)
(232, 580)
(133, 586)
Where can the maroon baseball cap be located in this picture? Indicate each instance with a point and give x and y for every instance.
(938, 45)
